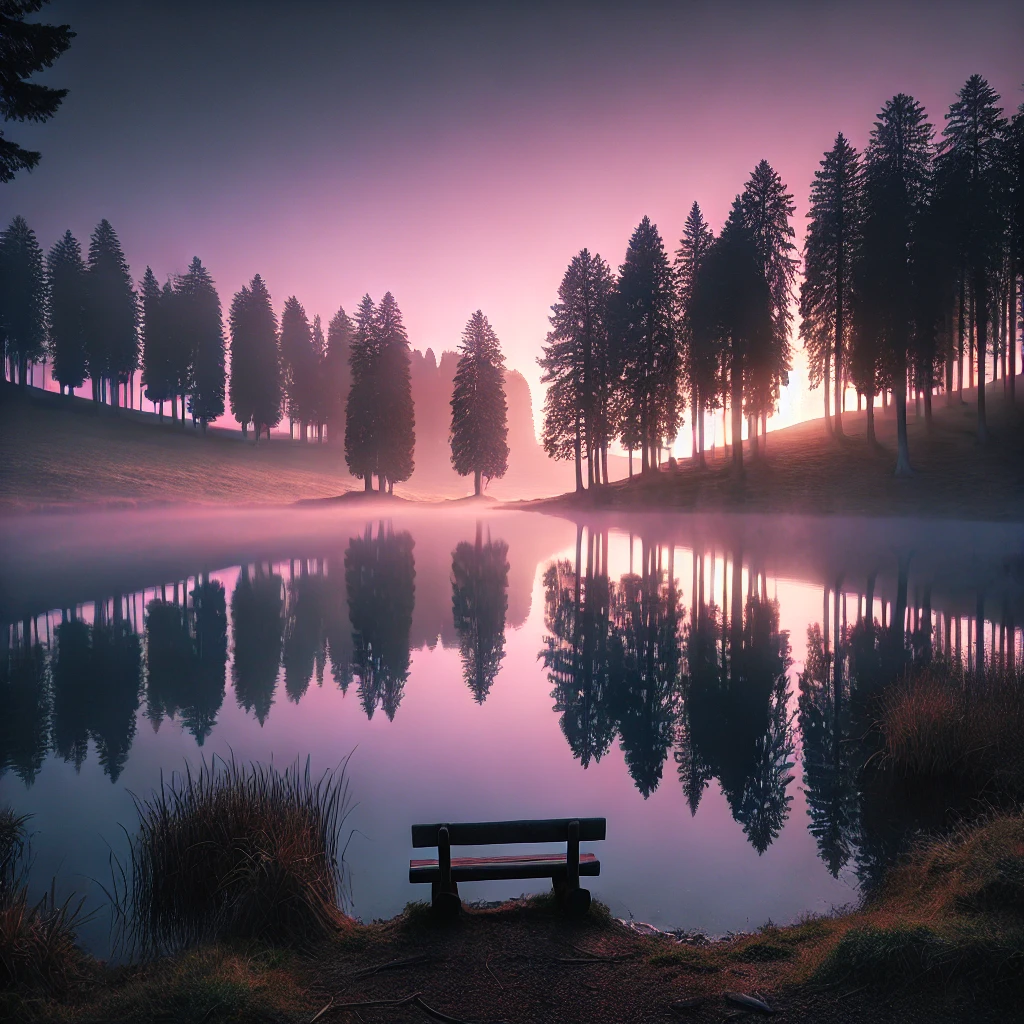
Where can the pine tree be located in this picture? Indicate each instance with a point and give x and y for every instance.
(897, 172)
(155, 328)
(645, 338)
(700, 361)
(112, 343)
(970, 169)
(336, 374)
(318, 386)
(297, 364)
(65, 279)
(26, 47)
(767, 208)
(577, 367)
(479, 433)
(830, 249)
(22, 298)
(362, 410)
(397, 416)
(255, 387)
(203, 339)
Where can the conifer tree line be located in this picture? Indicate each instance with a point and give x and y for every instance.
(911, 286)
(85, 315)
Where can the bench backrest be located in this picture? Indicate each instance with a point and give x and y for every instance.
(491, 833)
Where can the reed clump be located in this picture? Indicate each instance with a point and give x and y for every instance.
(38, 951)
(237, 852)
(944, 722)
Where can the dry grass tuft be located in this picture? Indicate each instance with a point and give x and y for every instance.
(237, 852)
(942, 722)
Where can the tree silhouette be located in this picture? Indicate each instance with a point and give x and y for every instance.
(112, 343)
(829, 771)
(577, 654)
(336, 374)
(305, 639)
(24, 706)
(22, 298)
(70, 673)
(319, 397)
(577, 368)
(766, 210)
(479, 414)
(646, 687)
(65, 285)
(28, 47)
(380, 575)
(257, 625)
(362, 410)
(255, 388)
(156, 328)
(645, 337)
(116, 674)
(337, 628)
(897, 171)
(971, 168)
(299, 364)
(830, 250)
(202, 342)
(479, 604)
(397, 419)
(700, 357)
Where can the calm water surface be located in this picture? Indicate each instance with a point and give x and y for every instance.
(679, 676)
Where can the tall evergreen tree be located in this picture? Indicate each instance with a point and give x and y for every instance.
(479, 434)
(298, 365)
(397, 416)
(155, 328)
(645, 336)
(362, 410)
(65, 279)
(202, 328)
(577, 368)
(255, 390)
(830, 249)
(319, 383)
(767, 209)
(970, 169)
(112, 343)
(897, 175)
(700, 361)
(26, 47)
(22, 298)
(336, 374)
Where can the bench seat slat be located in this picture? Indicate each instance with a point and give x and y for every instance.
(476, 869)
(493, 833)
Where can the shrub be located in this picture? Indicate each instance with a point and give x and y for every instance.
(37, 940)
(237, 852)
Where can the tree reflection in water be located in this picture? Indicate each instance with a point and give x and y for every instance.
(257, 626)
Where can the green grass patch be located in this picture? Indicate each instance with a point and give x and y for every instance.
(761, 951)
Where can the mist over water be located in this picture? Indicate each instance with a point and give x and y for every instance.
(699, 681)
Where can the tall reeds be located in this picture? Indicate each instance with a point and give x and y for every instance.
(942, 721)
(38, 952)
(236, 851)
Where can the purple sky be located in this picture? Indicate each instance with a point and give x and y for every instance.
(460, 154)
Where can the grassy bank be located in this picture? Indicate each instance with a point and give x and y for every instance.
(943, 941)
(804, 471)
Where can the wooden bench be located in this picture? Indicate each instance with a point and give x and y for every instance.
(564, 870)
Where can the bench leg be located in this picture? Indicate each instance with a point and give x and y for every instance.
(571, 898)
(445, 899)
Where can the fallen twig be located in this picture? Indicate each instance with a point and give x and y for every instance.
(593, 959)
(367, 1003)
(487, 964)
(438, 1015)
(391, 965)
(319, 1013)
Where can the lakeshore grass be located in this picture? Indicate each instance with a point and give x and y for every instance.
(236, 852)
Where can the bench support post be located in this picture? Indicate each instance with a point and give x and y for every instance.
(445, 894)
(575, 900)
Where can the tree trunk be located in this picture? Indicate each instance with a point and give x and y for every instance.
(245, 431)
(840, 285)
(630, 463)
(928, 401)
(604, 463)
(972, 322)
(700, 434)
(368, 483)
(590, 465)
(899, 393)
(981, 322)
(828, 395)
(736, 382)
(381, 483)
(1011, 344)
(645, 441)
(764, 433)
(752, 434)
(476, 483)
(578, 454)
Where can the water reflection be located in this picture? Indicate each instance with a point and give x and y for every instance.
(659, 650)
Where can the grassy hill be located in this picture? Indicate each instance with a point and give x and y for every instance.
(805, 471)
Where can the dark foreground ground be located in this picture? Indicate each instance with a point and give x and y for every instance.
(808, 472)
